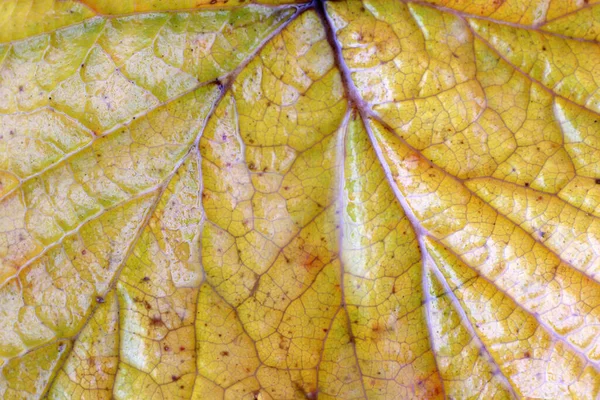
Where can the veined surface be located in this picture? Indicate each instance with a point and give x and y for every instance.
(375, 199)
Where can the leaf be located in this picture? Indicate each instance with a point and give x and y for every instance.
(299, 200)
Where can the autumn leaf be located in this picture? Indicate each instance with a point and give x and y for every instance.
(375, 199)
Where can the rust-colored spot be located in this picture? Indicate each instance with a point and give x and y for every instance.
(376, 327)
(310, 262)
(412, 161)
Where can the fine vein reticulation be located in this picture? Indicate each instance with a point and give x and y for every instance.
(376, 199)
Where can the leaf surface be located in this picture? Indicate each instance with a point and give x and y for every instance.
(338, 200)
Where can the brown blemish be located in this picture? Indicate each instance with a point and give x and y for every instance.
(283, 344)
(309, 262)
(412, 161)
(376, 327)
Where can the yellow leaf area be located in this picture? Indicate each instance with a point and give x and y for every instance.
(337, 200)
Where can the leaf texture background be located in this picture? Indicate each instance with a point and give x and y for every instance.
(230, 199)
